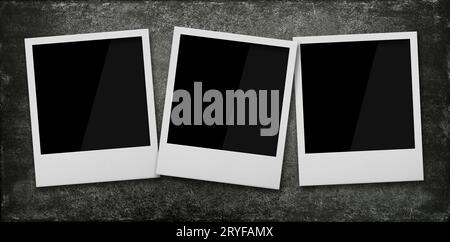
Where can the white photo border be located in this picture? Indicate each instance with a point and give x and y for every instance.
(220, 165)
(354, 167)
(96, 165)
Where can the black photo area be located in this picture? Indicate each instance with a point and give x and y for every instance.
(91, 95)
(357, 96)
(228, 65)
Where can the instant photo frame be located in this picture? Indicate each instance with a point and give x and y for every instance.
(91, 107)
(230, 163)
(385, 142)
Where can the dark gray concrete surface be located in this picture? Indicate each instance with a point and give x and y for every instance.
(182, 199)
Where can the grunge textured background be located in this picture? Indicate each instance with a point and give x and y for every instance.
(190, 200)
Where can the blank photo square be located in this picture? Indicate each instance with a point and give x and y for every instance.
(228, 65)
(357, 96)
(91, 95)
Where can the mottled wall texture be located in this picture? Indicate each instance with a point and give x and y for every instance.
(190, 200)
